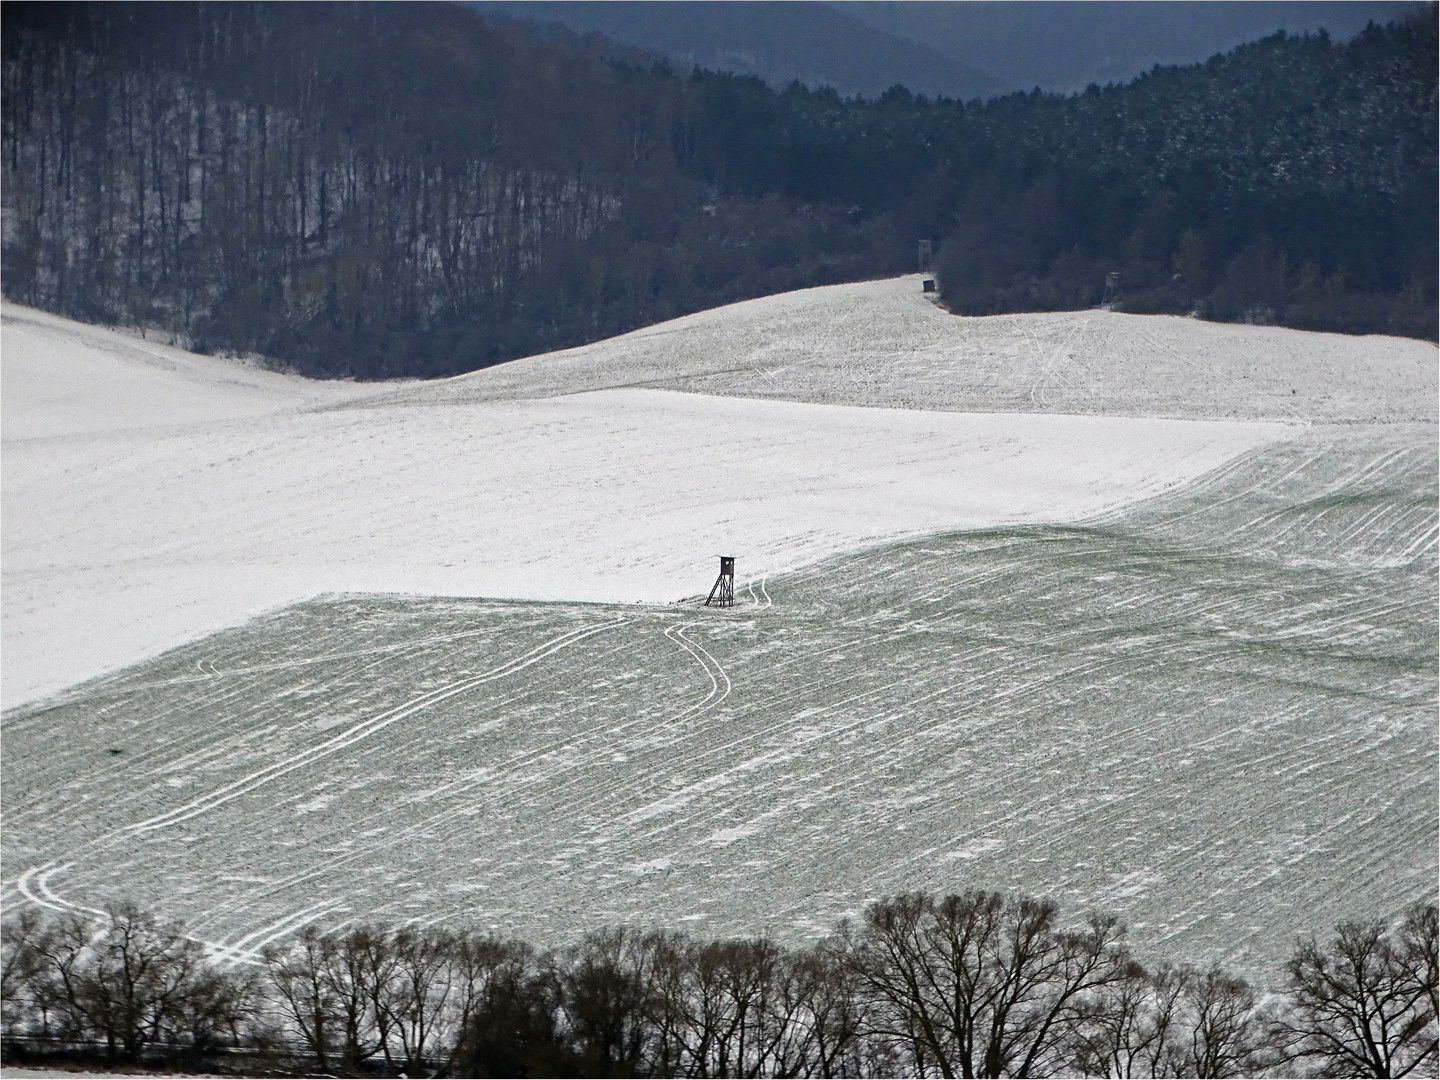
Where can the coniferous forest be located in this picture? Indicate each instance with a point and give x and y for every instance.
(417, 189)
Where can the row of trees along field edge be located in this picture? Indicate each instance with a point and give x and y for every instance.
(418, 190)
(973, 984)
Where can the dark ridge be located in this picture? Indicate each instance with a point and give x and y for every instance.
(815, 44)
(416, 190)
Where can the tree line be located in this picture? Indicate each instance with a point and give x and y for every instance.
(376, 190)
(975, 984)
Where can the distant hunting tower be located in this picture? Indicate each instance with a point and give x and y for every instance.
(1112, 289)
(923, 256)
(723, 591)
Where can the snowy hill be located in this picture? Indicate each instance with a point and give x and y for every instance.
(63, 378)
(882, 343)
(1099, 622)
(152, 496)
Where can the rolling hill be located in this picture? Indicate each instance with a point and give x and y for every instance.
(1137, 612)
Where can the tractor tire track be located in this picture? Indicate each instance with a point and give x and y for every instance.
(720, 689)
(360, 731)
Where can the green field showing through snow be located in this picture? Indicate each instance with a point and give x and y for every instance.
(1213, 713)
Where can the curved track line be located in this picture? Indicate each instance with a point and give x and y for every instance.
(22, 885)
(763, 600)
(248, 946)
(720, 688)
(34, 885)
(42, 884)
(398, 648)
(711, 667)
(357, 732)
(244, 942)
(263, 942)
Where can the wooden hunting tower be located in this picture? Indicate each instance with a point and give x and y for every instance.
(723, 591)
(1112, 289)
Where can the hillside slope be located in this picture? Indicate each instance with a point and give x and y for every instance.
(1179, 664)
(420, 191)
(1211, 714)
(882, 343)
(816, 44)
(65, 378)
(227, 492)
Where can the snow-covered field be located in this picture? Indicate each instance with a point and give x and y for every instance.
(145, 507)
(1174, 664)
(882, 343)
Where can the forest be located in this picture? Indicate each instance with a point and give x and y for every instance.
(374, 191)
(976, 984)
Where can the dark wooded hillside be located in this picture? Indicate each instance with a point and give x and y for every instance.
(381, 190)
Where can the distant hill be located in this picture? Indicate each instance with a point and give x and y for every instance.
(812, 43)
(951, 48)
(423, 189)
(1064, 45)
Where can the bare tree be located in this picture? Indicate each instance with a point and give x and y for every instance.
(1126, 1030)
(217, 1009)
(62, 958)
(515, 1025)
(669, 1015)
(302, 991)
(414, 996)
(354, 968)
(1417, 955)
(140, 972)
(815, 1016)
(20, 966)
(970, 985)
(790, 1030)
(1364, 1004)
(977, 985)
(838, 1016)
(130, 981)
(1220, 1034)
(606, 983)
(1176, 1021)
(478, 965)
(747, 972)
(366, 983)
(891, 958)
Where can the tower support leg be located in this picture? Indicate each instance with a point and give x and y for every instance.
(722, 593)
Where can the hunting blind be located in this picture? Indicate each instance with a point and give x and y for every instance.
(722, 593)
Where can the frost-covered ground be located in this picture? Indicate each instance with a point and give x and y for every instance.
(143, 508)
(1207, 715)
(986, 650)
(882, 343)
